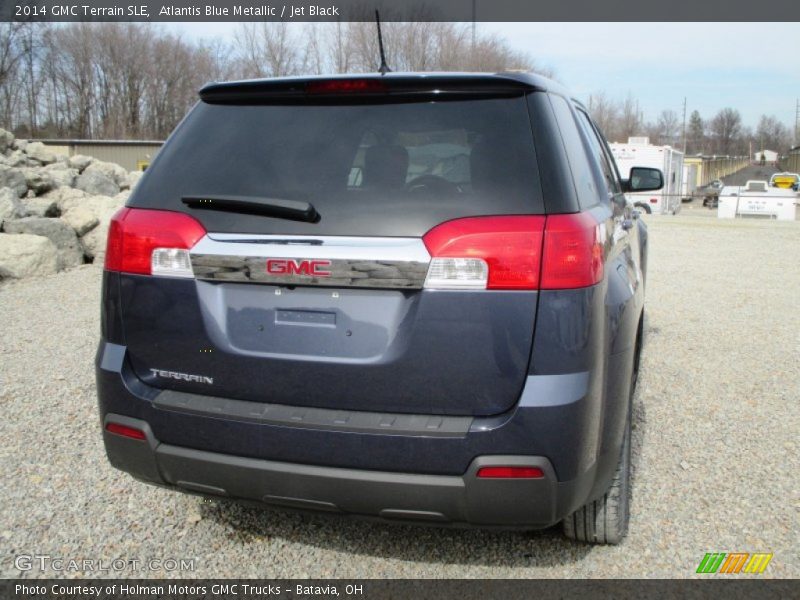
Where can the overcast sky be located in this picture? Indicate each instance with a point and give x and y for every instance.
(752, 67)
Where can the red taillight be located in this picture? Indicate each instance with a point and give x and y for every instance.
(346, 86)
(510, 473)
(653, 200)
(134, 233)
(125, 431)
(510, 247)
(522, 253)
(573, 252)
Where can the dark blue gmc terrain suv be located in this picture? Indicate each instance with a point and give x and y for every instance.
(415, 297)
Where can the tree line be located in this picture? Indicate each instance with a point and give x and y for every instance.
(723, 133)
(136, 81)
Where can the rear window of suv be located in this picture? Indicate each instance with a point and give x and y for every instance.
(394, 169)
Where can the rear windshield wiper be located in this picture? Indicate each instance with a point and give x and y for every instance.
(250, 205)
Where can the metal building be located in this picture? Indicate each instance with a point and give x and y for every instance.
(134, 155)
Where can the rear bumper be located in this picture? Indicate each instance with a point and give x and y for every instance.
(408, 475)
(436, 499)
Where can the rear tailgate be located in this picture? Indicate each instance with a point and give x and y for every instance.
(333, 311)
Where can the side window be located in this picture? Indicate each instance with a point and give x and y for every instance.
(586, 184)
(601, 153)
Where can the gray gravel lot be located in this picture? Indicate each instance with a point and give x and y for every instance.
(715, 441)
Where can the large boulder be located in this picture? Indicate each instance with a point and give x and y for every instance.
(20, 144)
(38, 180)
(70, 252)
(14, 178)
(24, 255)
(134, 177)
(97, 205)
(16, 158)
(94, 242)
(10, 206)
(40, 207)
(6, 140)
(63, 195)
(61, 175)
(40, 153)
(81, 219)
(96, 183)
(113, 171)
(80, 161)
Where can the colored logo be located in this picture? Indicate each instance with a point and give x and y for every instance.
(734, 562)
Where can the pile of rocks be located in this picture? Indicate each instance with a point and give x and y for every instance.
(54, 209)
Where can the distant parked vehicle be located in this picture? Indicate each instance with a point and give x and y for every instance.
(785, 181)
(711, 193)
(758, 200)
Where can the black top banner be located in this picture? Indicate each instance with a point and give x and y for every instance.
(401, 10)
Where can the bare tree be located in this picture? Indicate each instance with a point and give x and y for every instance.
(11, 54)
(630, 119)
(605, 114)
(772, 134)
(725, 128)
(75, 74)
(695, 136)
(668, 128)
(268, 49)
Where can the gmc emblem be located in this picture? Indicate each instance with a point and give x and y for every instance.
(289, 266)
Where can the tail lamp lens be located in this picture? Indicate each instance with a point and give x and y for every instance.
(496, 253)
(510, 473)
(573, 252)
(152, 242)
(516, 253)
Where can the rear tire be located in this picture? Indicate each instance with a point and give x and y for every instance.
(605, 520)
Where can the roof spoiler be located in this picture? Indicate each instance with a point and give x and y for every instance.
(393, 87)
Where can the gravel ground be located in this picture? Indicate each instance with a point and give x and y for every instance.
(715, 441)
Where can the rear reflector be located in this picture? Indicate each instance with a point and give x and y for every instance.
(346, 86)
(510, 473)
(495, 253)
(125, 431)
(152, 242)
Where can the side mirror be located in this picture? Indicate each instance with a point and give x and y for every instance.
(644, 179)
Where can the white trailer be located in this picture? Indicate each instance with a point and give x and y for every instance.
(638, 152)
(757, 199)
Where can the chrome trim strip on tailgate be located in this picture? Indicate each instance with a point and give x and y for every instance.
(314, 418)
(375, 262)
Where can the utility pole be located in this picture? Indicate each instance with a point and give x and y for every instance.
(797, 123)
(683, 133)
